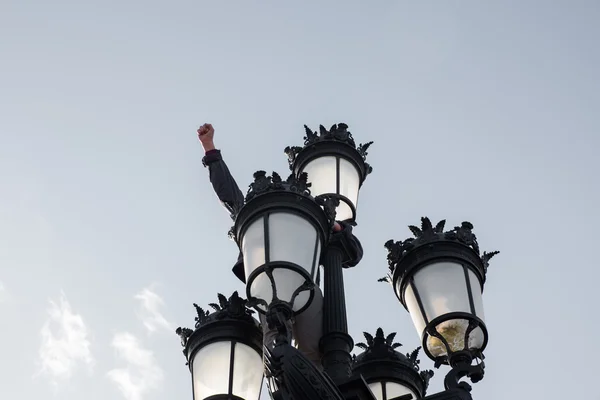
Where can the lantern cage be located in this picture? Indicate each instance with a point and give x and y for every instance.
(224, 352)
(439, 277)
(281, 231)
(335, 166)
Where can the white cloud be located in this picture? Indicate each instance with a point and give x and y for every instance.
(65, 342)
(2, 292)
(150, 313)
(142, 373)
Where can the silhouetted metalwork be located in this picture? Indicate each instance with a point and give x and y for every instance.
(456, 337)
(381, 364)
(291, 200)
(337, 132)
(293, 376)
(263, 183)
(428, 234)
(431, 267)
(234, 308)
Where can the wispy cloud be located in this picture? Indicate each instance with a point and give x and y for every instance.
(3, 294)
(150, 312)
(65, 342)
(142, 373)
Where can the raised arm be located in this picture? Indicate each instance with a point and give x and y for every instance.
(222, 182)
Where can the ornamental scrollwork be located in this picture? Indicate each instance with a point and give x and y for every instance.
(429, 233)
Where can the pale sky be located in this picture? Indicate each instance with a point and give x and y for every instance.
(109, 231)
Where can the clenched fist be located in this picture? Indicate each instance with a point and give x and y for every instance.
(206, 135)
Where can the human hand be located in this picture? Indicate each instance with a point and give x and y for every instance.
(337, 227)
(206, 135)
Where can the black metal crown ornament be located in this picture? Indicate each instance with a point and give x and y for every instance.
(235, 308)
(337, 132)
(263, 184)
(382, 347)
(429, 234)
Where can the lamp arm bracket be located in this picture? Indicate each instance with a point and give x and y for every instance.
(473, 372)
(278, 316)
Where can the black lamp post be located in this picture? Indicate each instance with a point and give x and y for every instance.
(336, 168)
(285, 232)
(282, 231)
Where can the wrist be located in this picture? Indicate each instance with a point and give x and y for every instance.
(208, 146)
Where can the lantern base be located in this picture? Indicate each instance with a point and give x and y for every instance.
(262, 305)
(277, 316)
(458, 326)
(462, 367)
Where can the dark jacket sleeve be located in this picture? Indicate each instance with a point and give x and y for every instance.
(228, 193)
(223, 183)
(354, 247)
(238, 268)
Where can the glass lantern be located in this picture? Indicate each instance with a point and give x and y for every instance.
(335, 166)
(227, 370)
(445, 303)
(281, 234)
(332, 174)
(439, 276)
(384, 390)
(224, 353)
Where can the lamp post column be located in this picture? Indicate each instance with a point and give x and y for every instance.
(336, 344)
(336, 169)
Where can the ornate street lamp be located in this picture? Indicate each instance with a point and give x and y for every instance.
(439, 276)
(284, 232)
(336, 169)
(281, 231)
(389, 373)
(335, 166)
(224, 352)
